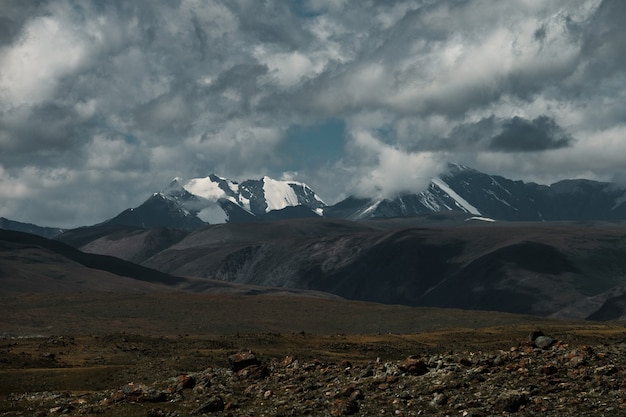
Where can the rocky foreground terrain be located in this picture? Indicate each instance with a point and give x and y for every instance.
(464, 372)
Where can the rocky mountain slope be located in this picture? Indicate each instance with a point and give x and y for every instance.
(31, 264)
(468, 190)
(456, 261)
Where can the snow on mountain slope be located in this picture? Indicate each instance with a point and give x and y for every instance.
(278, 194)
(463, 204)
(193, 203)
(464, 189)
(205, 188)
(215, 199)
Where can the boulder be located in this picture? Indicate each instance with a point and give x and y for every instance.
(414, 366)
(242, 360)
(214, 404)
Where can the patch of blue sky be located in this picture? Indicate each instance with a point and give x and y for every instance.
(313, 146)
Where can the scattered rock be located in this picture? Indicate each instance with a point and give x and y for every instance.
(132, 392)
(242, 360)
(367, 372)
(511, 401)
(344, 408)
(214, 404)
(473, 413)
(527, 380)
(254, 372)
(357, 394)
(185, 382)
(157, 412)
(544, 342)
(247, 366)
(439, 398)
(413, 366)
(540, 340)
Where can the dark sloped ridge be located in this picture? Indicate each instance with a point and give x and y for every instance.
(532, 268)
(102, 262)
(83, 235)
(47, 232)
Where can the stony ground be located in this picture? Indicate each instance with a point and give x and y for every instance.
(567, 370)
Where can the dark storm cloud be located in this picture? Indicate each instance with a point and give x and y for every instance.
(9, 29)
(47, 126)
(521, 135)
(494, 134)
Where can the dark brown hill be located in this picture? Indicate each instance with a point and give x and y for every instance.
(129, 243)
(30, 263)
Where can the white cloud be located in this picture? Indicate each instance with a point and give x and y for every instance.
(385, 171)
(286, 69)
(106, 153)
(47, 51)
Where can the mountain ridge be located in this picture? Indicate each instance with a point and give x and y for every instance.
(452, 260)
(192, 204)
(465, 189)
(215, 199)
(48, 232)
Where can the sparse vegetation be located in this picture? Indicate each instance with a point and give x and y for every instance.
(476, 371)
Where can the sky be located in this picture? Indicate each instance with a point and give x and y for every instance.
(103, 102)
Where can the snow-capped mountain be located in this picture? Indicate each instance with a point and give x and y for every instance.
(192, 203)
(189, 204)
(468, 190)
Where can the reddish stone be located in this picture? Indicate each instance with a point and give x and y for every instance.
(414, 366)
(242, 360)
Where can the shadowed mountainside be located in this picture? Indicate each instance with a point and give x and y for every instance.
(32, 263)
(564, 269)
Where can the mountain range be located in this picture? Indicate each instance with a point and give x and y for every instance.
(468, 190)
(458, 244)
(194, 203)
(190, 204)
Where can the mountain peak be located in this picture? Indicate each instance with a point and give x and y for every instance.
(456, 168)
(215, 199)
(467, 190)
